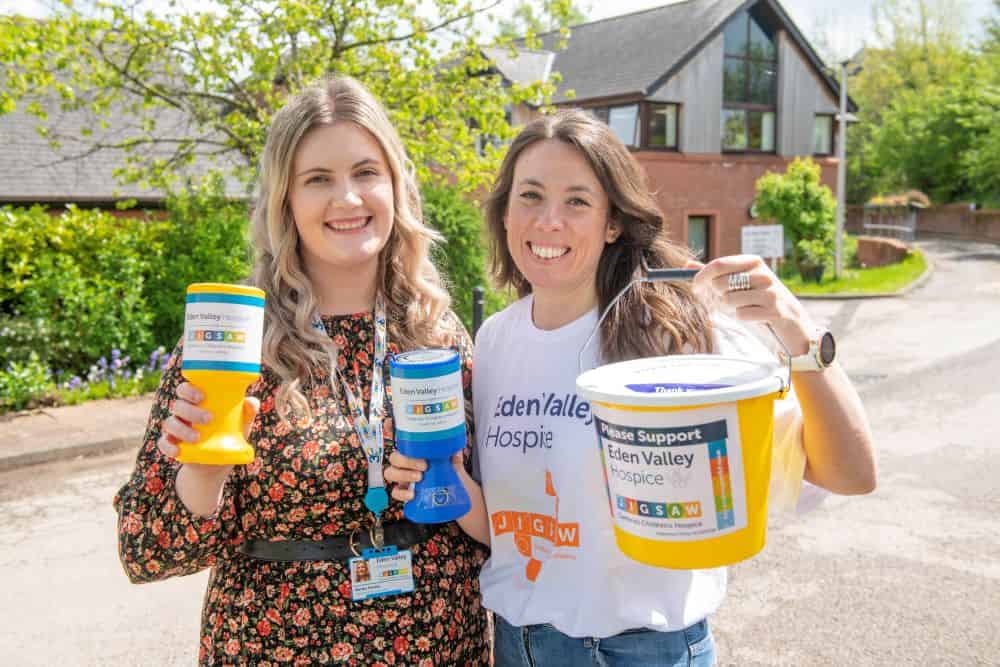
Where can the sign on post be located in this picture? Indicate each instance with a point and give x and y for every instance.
(768, 241)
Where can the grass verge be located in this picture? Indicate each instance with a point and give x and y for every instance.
(878, 280)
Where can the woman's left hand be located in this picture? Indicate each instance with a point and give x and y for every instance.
(764, 298)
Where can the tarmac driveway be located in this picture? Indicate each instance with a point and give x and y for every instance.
(910, 574)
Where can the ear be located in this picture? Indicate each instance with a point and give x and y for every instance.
(613, 232)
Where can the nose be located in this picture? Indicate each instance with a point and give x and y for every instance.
(550, 219)
(343, 194)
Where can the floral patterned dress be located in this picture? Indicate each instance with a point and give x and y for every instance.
(307, 481)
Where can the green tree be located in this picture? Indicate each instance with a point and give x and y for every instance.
(982, 159)
(806, 209)
(208, 82)
(462, 256)
(535, 18)
(919, 51)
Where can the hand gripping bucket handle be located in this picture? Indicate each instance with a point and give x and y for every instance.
(664, 275)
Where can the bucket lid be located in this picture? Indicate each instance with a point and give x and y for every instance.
(679, 380)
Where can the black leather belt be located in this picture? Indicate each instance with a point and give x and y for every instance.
(402, 534)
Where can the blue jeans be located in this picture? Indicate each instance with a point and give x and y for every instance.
(544, 646)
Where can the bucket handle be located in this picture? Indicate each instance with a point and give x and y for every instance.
(663, 275)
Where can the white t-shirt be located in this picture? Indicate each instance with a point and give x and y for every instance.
(554, 556)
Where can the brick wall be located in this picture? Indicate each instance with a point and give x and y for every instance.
(719, 186)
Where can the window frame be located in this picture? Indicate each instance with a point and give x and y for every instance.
(832, 135)
(746, 60)
(603, 113)
(646, 133)
(710, 218)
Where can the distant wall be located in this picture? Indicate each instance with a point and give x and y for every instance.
(953, 220)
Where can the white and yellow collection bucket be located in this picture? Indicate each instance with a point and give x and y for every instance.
(686, 445)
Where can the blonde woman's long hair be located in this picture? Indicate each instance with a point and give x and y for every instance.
(414, 297)
(650, 319)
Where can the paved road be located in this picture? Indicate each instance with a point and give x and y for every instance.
(909, 575)
(66, 600)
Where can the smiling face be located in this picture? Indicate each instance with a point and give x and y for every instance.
(341, 196)
(558, 221)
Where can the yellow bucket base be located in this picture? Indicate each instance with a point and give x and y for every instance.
(221, 441)
(695, 555)
(223, 449)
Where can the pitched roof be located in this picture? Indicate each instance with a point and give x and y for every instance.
(636, 53)
(31, 170)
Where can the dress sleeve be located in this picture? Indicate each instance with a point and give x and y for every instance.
(158, 537)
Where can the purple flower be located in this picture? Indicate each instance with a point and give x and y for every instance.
(74, 382)
(153, 359)
(115, 353)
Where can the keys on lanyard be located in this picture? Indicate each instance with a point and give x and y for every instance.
(369, 427)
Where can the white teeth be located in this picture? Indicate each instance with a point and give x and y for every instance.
(346, 226)
(548, 252)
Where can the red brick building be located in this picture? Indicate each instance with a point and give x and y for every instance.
(710, 94)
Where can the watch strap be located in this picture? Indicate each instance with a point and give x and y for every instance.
(812, 360)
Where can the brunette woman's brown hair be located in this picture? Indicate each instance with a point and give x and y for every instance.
(650, 319)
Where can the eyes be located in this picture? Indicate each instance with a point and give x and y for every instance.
(364, 173)
(534, 196)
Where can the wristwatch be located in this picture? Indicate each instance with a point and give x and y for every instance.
(822, 352)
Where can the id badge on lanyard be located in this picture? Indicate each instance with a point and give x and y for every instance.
(383, 570)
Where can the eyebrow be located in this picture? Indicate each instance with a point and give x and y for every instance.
(572, 188)
(324, 170)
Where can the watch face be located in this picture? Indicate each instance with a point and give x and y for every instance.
(827, 348)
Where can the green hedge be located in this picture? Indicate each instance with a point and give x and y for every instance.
(73, 286)
(84, 293)
(79, 285)
(205, 238)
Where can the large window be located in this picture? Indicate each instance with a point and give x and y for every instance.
(750, 86)
(642, 125)
(823, 135)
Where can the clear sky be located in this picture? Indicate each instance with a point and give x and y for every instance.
(842, 26)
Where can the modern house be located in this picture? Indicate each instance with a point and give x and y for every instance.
(710, 94)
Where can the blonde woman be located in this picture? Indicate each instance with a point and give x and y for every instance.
(572, 222)
(342, 254)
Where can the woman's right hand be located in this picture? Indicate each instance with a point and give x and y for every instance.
(199, 486)
(185, 413)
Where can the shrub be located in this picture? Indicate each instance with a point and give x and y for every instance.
(21, 383)
(76, 285)
(805, 208)
(82, 274)
(114, 379)
(462, 257)
(204, 238)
